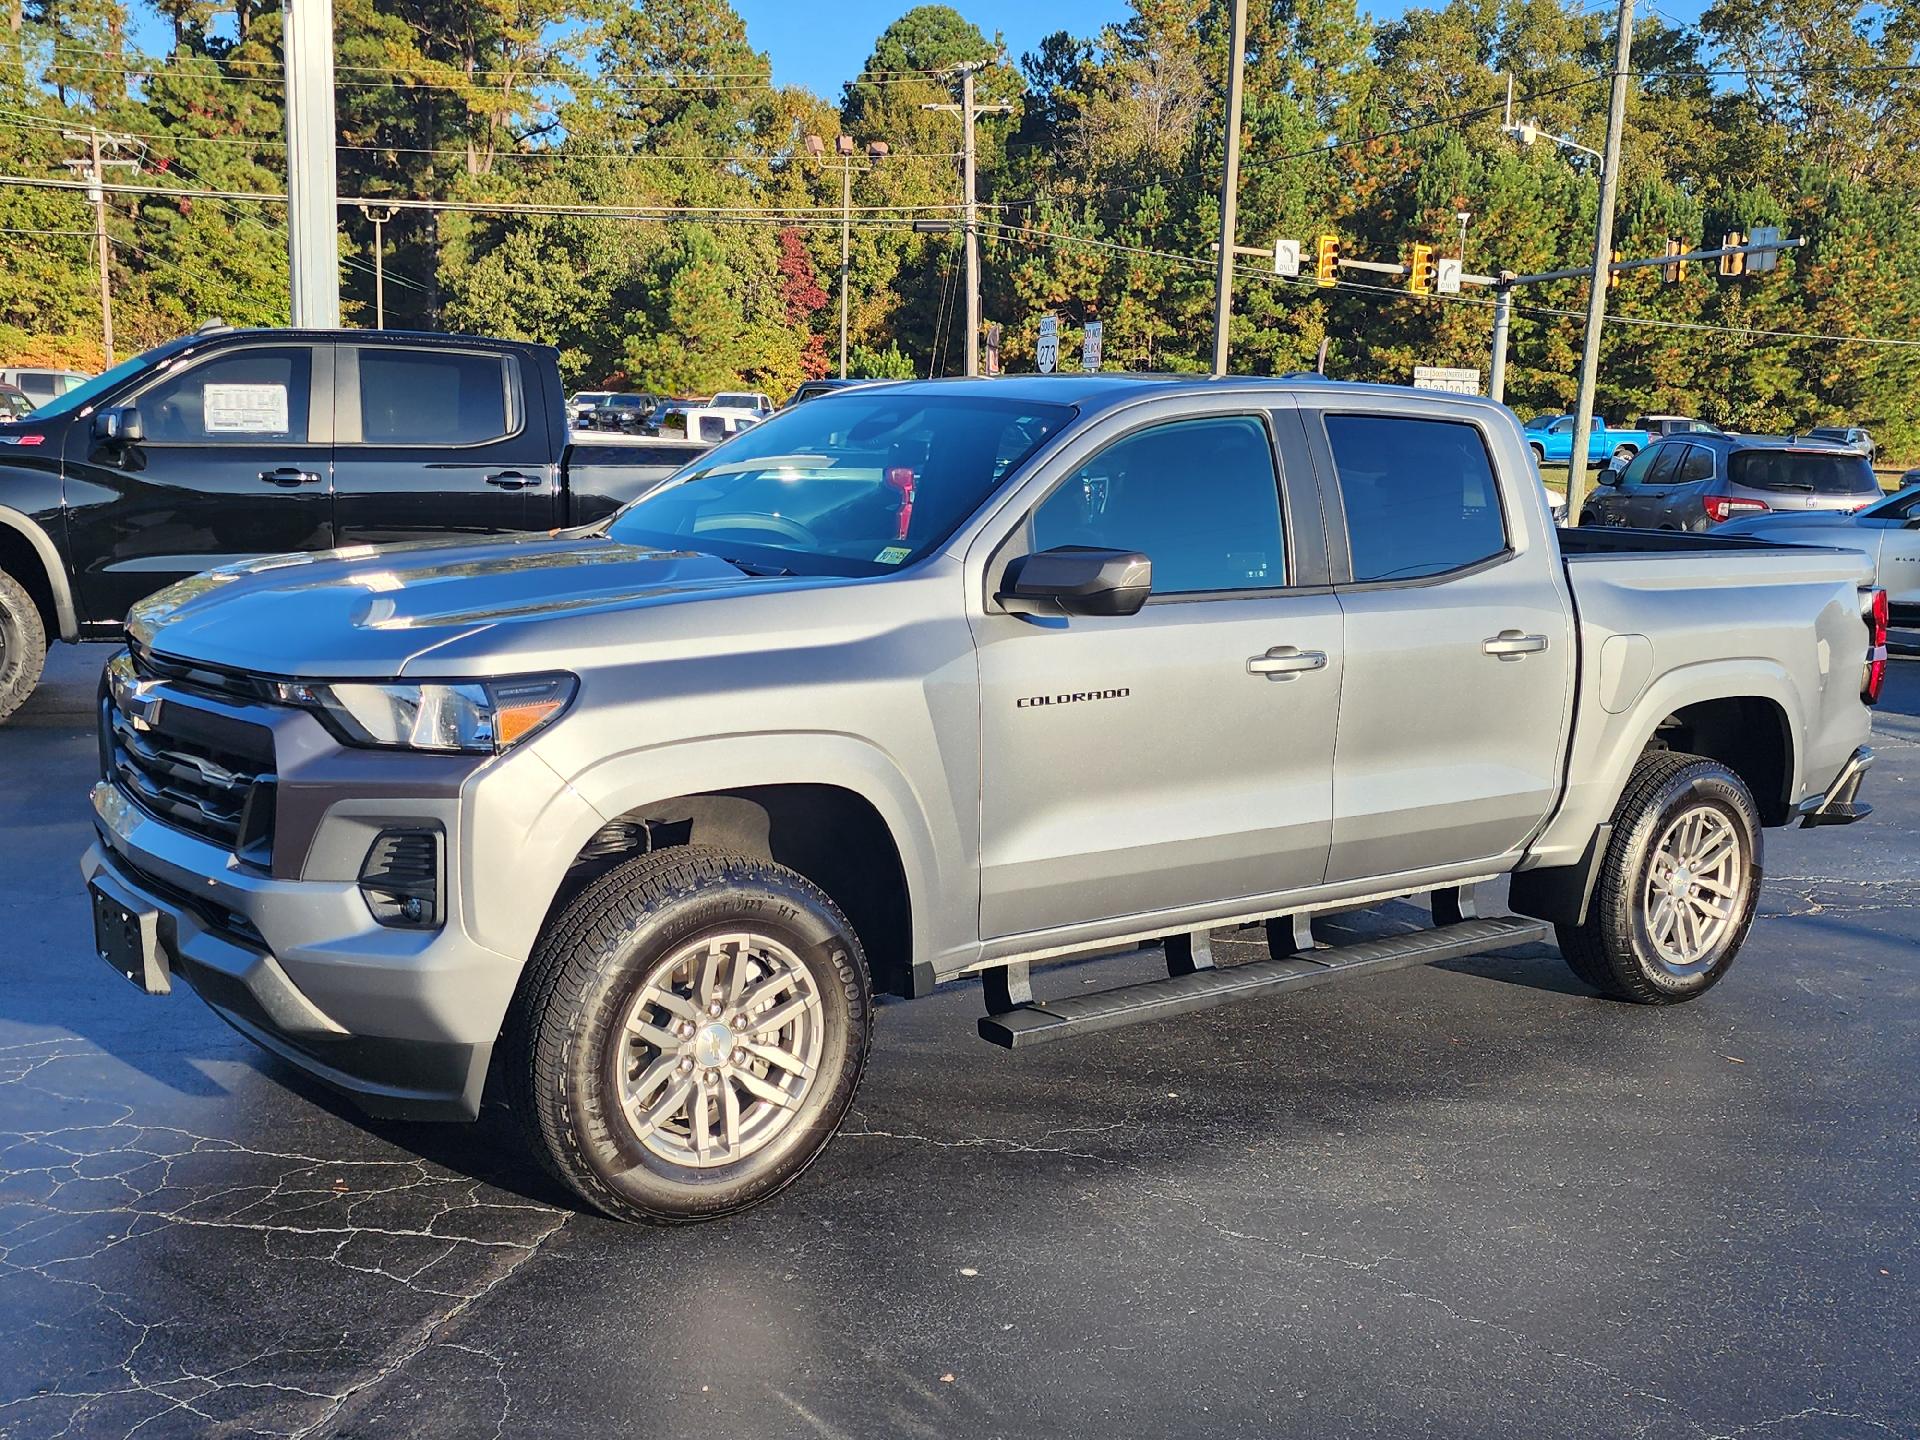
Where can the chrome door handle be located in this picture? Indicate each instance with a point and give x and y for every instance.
(513, 480)
(1513, 645)
(287, 477)
(1283, 662)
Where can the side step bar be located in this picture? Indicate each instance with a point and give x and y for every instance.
(1026, 1021)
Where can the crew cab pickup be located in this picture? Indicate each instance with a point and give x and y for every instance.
(231, 443)
(1550, 437)
(938, 680)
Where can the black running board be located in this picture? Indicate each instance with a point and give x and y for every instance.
(1041, 1020)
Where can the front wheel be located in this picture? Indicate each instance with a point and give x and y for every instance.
(689, 1034)
(1677, 886)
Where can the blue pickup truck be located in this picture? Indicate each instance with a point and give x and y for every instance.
(1550, 437)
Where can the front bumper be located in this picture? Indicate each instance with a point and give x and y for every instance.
(1839, 803)
(285, 947)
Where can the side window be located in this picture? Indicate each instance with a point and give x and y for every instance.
(39, 387)
(712, 427)
(1420, 495)
(1637, 468)
(436, 397)
(1197, 497)
(1696, 467)
(244, 398)
(1666, 466)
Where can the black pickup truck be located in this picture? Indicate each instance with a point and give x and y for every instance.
(229, 444)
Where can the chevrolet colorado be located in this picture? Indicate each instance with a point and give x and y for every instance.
(228, 443)
(938, 680)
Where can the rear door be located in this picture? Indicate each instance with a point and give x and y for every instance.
(1458, 639)
(1644, 492)
(438, 440)
(1181, 755)
(235, 464)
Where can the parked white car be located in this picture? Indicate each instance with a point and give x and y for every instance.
(757, 401)
(711, 423)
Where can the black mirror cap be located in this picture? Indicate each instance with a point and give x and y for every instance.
(1082, 580)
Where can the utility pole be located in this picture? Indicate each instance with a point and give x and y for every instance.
(94, 168)
(1502, 325)
(970, 219)
(379, 215)
(1229, 190)
(1602, 260)
(313, 220)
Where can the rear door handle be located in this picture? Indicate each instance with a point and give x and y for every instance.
(1283, 662)
(513, 480)
(1513, 645)
(287, 477)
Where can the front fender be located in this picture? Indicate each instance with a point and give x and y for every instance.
(66, 617)
(942, 884)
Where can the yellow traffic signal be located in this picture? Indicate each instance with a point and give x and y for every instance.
(1733, 264)
(1326, 260)
(1420, 273)
(1675, 270)
(1613, 278)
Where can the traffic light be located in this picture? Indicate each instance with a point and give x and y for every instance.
(1420, 272)
(1613, 276)
(1733, 264)
(1326, 260)
(1674, 271)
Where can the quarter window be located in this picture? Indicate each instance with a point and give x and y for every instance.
(416, 397)
(250, 397)
(1420, 495)
(1199, 498)
(1696, 467)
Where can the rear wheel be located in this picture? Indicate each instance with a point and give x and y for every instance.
(1677, 886)
(23, 645)
(1539, 454)
(689, 1035)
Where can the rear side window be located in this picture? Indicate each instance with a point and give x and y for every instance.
(248, 397)
(1199, 498)
(1806, 471)
(1696, 467)
(1420, 495)
(414, 397)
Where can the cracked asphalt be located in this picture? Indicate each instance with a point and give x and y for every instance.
(1470, 1200)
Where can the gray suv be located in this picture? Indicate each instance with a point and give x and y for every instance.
(1700, 481)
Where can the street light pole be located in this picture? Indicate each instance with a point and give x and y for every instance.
(313, 221)
(1502, 322)
(1602, 260)
(846, 240)
(379, 215)
(1229, 190)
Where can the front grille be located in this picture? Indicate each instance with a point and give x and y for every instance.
(202, 772)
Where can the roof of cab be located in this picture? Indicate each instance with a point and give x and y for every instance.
(1101, 390)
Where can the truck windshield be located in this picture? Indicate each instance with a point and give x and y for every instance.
(100, 384)
(1817, 471)
(858, 486)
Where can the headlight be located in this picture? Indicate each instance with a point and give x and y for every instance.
(479, 716)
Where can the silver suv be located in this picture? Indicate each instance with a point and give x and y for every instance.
(1701, 481)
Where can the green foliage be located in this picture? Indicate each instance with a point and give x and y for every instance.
(716, 261)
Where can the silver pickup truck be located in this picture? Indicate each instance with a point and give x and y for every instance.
(915, 683)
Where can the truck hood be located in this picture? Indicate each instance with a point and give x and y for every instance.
(367, 611)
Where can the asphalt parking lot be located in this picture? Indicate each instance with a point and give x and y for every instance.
(1461, 1201)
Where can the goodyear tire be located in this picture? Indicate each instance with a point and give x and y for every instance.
(1677, 886)
(689, 1034)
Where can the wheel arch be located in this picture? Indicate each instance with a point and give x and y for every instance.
(27, 553)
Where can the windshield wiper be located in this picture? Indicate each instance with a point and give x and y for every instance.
(755, 567)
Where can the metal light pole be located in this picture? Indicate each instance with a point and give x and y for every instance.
(846, 239)
(379, 215)
(313, 221)
(1229, 190)
(1502, 322)
(1602, 259)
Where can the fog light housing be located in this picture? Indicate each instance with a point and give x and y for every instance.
(402, 879)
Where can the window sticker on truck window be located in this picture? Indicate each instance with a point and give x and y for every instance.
(893, 555)
(245, 409)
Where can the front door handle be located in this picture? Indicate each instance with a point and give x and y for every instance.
(286, 477)
(1513, 645)
(513, 480)
(1283, 662)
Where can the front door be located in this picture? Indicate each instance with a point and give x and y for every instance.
(1181, 755)
(434, 441)
(234, 464)
(1454, 712)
